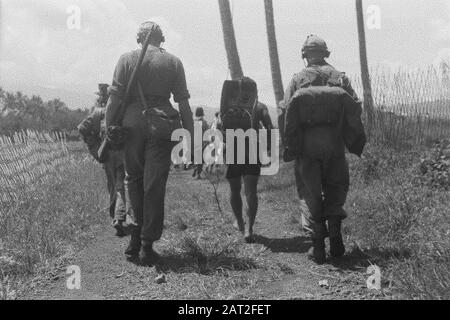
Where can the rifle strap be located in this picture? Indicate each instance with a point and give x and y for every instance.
(132, 81)
(141, 95)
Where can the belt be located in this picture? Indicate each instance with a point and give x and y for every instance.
(151, 100)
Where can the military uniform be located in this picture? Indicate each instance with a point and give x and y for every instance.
(147, 161)
(93, 131)
(322, 166)
(321, 169)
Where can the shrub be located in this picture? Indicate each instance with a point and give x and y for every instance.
(435, 168)
(402, 222)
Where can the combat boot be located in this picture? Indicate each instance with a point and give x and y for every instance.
(317, 252)
(135, 244)
(148, 256)
(118, 225)
(337, 248)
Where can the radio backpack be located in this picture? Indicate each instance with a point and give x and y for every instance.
(239, 97)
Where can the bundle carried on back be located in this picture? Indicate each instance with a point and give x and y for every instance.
(320, 105)
(239, 98)
(322, 119)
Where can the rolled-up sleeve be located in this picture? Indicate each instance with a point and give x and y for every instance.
(120, 78)
(179, 89)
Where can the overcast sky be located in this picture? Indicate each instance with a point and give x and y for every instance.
(39, 51)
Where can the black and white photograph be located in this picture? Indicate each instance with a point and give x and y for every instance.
(225, 157)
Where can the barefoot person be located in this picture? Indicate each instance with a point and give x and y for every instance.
(322, 118)
(241, 110)
(148, 149)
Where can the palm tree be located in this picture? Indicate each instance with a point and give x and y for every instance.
(274, 59)
(234, 63)
(368, 99)
(273, 52)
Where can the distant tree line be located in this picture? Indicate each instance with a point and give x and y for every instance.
(19, 112)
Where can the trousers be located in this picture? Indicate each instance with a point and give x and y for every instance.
(115, 176)
(147, 166)
(323, 184)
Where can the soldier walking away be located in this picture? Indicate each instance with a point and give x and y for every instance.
(322, 117)
(240, 109)
(200, 117)
(93, 129)
(216, 125)
(148, 146)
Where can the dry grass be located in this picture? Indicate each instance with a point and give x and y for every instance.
(401, 222)
(396, 219)
(49, 205)
(412, 107)
(216, 256)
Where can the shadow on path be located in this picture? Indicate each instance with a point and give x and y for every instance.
(287, 245)
(204, 265)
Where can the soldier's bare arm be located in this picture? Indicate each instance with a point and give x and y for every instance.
(112, 108)
(117, 90)
(265, 118)
(186, 116)
(181, 96)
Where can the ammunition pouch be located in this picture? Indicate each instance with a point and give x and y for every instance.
(162, 118)
(162, 122)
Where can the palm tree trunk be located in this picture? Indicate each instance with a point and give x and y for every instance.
(234, 63)
(368, 99)
(273, 52)
(274, 59)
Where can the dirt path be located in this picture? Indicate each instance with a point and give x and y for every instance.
(205, 258)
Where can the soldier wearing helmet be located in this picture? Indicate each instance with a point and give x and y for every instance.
(160, 77)
(321, 170)
(102, 94)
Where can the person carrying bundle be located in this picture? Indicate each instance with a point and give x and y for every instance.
(322, 118)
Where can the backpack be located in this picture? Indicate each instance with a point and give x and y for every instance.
(318, 99)
(317, 106)
(322, 109)
(239, 97)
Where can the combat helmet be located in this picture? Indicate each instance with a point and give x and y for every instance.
(102, 94)
(315, 44)
(102, 89)
(199, 112)
(145, 28)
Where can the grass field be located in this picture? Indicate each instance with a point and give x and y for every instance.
(49, 205)
(398, 219)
